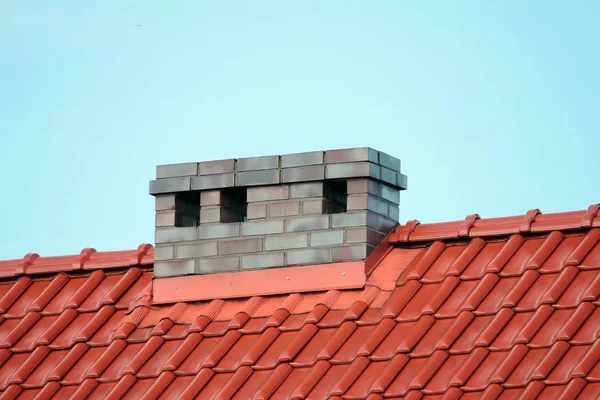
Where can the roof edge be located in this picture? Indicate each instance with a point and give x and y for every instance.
(473, 226)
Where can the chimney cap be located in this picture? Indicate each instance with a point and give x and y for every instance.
(362, 162)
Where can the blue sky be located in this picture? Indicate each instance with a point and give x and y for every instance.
(492, 106)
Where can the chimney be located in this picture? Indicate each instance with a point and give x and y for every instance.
(275, 211)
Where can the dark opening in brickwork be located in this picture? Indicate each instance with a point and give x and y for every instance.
(234, 204)
(336, 193)
(187, 209)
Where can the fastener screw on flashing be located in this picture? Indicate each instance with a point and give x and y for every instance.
(343, 274)
(287, 278)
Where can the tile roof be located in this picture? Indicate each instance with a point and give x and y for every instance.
(509, 314)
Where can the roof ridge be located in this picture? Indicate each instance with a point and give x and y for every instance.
(87, 260)
(533, 221)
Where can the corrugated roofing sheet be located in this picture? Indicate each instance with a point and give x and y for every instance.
(461, 318)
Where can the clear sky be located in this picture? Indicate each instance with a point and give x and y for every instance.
(493, 106)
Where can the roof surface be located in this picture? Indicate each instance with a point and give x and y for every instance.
(446, 314)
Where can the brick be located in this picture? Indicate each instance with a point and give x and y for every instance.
(402, 181)
(210, 198)
(164, 269)
(210, 214)
(216, 231)
(280, 242)
(217, 265)
(173, 170)
(164, 202)
(353, 252)
(267, 193)
(170, 185)
(303, 174)
(238, 246)
(162, 253)
(284, 209)
(177, 234)
(326, 238)
(257, 163)
(353, 170)
(255, 178)
(394, 212)
(308, 256)
(385, 224)
(301, 190)
(165, 218)
(387, 161)
(256, 211)
(262, 227)
(302, 159)
(318, 206)
(267, 260)
(351, 155)
(389, 194)
(216, 167)
(355, 218)
(367, 202)
(388, 176)
(212, 181)
(363, 235)
(302, 224)
(205, 249)
(358, 186)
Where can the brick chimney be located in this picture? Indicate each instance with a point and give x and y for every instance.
(275, 211)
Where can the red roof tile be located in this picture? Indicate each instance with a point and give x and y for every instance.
(477, 309)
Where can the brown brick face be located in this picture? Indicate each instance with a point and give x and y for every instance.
(164, 202)
(283, 209)
(174, 268)
(216, 167)
(256, 211)
(308, 256)
(267, 193)
(301, 190)
(241, 246)
(303, 224)
(262, 227)
(257, 163)
(176, 170)
(281, 242)
(302, 159)
(217, 265)
(256, 178)
(264, 260)
(213, 181)
(215, 231)
(301, 174)
(206, 249)
(170, 185)
(177, 234)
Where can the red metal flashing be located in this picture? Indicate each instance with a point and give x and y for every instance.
(310, 278)
(378, 254)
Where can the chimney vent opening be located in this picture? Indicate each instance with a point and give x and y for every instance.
(336, 194)
(187, 206)
(235, 204)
